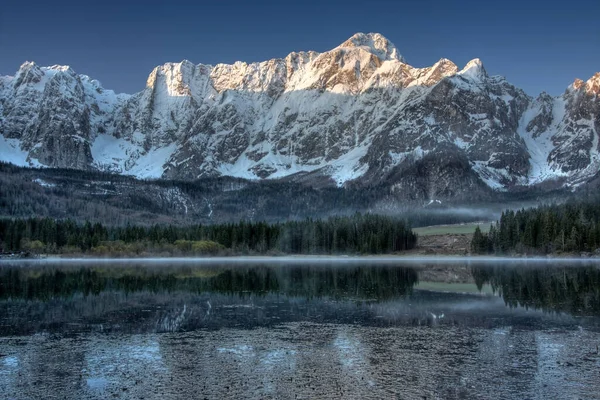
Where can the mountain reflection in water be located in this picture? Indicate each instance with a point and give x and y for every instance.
(283, 330)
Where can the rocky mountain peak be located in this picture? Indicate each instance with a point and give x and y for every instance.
(446, 64)
(28, 73)
(474, 69)
(357, 113)
(28, 65)
(62, 68)
(173, 76)
(440, 70)
(593, 84)
(374, 43)
(577, 84)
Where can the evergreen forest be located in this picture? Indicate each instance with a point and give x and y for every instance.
(356, 234)
(571, 227)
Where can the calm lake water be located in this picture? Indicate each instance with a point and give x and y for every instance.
(299, 330)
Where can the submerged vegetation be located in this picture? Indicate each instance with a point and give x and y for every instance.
(357, 234)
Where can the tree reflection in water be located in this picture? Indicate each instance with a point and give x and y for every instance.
(357, 282)
(268, 331)
(163, 297)
(570, 289)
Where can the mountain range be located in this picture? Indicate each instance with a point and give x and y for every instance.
(355, 116)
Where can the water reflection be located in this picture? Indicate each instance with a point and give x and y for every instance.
(169, 298)
(174, 297)
(574, 290)
(299, 331)
(360, 282)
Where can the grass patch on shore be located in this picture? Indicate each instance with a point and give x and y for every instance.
(452, 229)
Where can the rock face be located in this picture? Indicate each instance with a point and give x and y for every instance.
(561, 133)
(357, 114)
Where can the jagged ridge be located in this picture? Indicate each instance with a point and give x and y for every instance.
(357, 113)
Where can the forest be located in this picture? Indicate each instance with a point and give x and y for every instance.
(113, 199)
(571, 227)
(356, 234)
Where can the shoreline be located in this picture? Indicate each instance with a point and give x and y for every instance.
(382, 259)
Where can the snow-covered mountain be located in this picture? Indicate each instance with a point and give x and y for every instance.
(357, 114)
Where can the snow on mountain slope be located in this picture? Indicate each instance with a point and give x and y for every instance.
(125, 157)
(53, 113)
(10, 151)
(539, 140)
(356, 113)
(561, 134)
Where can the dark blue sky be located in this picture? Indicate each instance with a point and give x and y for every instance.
(536, 45)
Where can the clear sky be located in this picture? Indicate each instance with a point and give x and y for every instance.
(536, 45)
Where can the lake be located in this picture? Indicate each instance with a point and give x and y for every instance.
(300, 329)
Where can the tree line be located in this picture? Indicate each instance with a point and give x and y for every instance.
(360, 233)
(572, 227)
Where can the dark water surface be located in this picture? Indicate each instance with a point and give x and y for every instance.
(298, 330)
